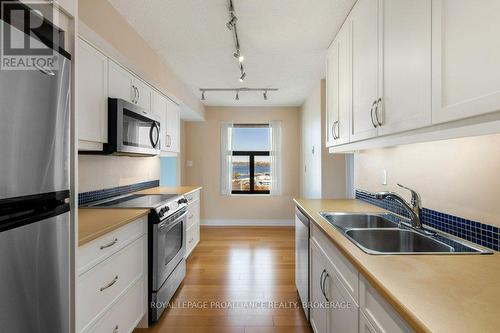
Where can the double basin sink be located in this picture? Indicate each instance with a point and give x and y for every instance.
(387, 234)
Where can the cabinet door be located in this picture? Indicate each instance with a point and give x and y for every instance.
(332, 93)
(345, 72)
(92, 94)
(318, 315)
(405, 86)
(364, 325)
(173, 127)
(465, 58)
(364, 68)
(144, 93)
(343, 312)
(120, 83)
(159, 107)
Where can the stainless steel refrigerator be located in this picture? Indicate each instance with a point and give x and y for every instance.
(34, 192)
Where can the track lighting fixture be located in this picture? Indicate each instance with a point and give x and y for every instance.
(238, 90)
(231, 25)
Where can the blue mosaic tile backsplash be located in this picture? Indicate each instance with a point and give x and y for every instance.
(87, 197)
(476, 232)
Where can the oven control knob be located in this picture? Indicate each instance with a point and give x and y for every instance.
(183, 200)
(160, 213)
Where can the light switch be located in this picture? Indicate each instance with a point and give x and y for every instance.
(189, 163)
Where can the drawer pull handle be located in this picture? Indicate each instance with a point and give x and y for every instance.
(109, 284)
(110, 244)
(116, 329)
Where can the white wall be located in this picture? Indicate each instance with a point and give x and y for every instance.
(459, 177)
(322, 175)
(310, 161)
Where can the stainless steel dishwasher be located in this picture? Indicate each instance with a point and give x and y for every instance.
(302, 257)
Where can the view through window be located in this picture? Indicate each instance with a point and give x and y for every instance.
(251, 161)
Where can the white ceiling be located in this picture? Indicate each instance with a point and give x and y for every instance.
(284, 43)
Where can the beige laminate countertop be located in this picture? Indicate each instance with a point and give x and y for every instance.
(170, 190)
(96, 222)
(433, 293)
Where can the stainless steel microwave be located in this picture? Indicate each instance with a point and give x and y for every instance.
(131, 130)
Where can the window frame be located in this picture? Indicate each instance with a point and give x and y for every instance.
(251, 155)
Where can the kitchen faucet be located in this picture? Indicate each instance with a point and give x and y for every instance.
(414, 208)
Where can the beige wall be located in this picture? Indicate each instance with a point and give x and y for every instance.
(99, 172)
(322, 174)
(460, 177)
(101, 17)
(202, 141)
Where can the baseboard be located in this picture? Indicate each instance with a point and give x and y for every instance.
(248, 222)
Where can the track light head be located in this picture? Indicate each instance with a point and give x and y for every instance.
(265, 95)
(237, 96)
(203, 95)
(242, 77)
(239, 56)
(231, 22)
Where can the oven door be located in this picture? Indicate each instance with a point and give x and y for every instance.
(169, 247)
(134, 131)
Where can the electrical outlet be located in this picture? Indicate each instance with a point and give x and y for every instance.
(383, 177)
(189, 163)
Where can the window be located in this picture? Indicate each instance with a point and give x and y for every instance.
(250, 160)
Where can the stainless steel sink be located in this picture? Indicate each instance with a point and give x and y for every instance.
(389, 241)
(376, 233)
(359, 220)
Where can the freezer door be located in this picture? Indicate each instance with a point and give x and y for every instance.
(34, 277)
(34, 131)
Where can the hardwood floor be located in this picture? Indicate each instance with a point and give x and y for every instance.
(239, 280)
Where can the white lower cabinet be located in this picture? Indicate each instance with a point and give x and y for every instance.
(334, 310)
(336, 306)
(193, 221)
(112, 293)
(378, 311)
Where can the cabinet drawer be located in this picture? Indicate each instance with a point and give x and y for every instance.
(378, 311)
(347, 273)
(101, 248)
(192, 238)
(193, 196)
(125, 314)
(193, 214)
(102, 285)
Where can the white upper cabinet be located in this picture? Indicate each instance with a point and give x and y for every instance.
(365, 53)
(465, 58)
(332, 93)
(124, 85)
(120, 83)
(92, 68)
(338, 90)
(173, 127)
(405, 83)
(144, 93)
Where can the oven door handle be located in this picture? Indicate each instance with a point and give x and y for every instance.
(162, 226)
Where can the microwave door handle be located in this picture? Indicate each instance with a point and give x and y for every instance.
(153, 127)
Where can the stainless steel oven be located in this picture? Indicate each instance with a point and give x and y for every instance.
(168, 268)
(131, 130)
